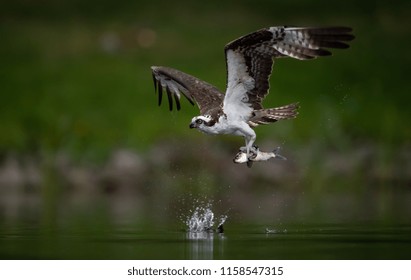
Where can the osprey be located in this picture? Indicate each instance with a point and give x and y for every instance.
(249, 62)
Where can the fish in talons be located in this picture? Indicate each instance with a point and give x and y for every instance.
(256, 155)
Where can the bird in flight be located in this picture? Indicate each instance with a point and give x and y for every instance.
(249, 61)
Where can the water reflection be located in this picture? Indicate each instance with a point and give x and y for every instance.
(202, 235)
(205, 245)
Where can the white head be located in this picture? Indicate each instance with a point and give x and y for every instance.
(200, 122)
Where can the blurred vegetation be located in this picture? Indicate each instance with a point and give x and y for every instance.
(75, 80)
(75, 75)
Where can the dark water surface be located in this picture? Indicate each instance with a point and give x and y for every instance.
(258, 224)
(238, 242)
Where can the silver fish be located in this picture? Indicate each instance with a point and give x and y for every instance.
(241, 156)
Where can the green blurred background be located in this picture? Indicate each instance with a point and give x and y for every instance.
(83, 142)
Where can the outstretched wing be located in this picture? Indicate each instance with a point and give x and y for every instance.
(250, 60)
(175, 83)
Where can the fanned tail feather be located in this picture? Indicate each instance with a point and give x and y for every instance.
(270, 115)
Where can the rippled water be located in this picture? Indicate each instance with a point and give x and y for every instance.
(237, 242)
(198, 229)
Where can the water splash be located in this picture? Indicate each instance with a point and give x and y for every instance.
(202, 220)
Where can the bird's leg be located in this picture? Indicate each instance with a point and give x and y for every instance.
(251, 151)
(249, 141)
(243, 149)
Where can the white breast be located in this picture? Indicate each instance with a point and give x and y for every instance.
(225, 126)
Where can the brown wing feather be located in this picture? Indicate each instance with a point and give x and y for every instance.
(258, 53)
(176, 83)
(259, 48)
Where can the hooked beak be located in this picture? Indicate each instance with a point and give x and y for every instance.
(192, 125)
